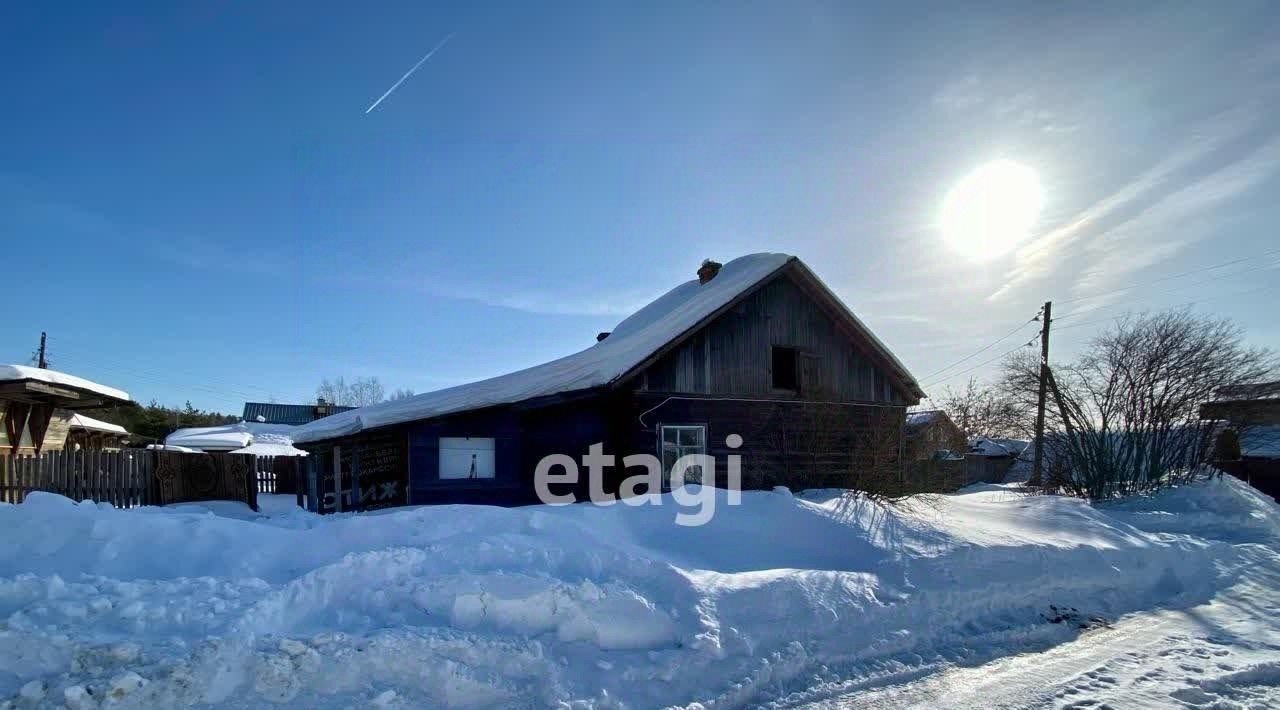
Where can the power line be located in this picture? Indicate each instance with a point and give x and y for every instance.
(247, 391)
(985, 348)
(1196, 302)
(1001, 356)
(1241, 260)
(1083, 311)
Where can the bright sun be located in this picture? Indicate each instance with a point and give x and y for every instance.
(992, 209)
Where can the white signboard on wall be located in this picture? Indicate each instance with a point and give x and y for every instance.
(466, 457)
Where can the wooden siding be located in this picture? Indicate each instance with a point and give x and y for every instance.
(796, 444)
(941, 433)
(55, 437)
(732, 354)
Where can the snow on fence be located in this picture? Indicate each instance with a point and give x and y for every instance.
(121, 478)
(131, 477)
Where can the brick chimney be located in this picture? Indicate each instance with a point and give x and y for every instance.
(708, 270)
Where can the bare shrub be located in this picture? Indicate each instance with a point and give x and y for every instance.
(1124, 417)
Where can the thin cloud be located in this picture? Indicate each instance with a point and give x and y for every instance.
(1037, 259)
(409, 73)
(1135, 237)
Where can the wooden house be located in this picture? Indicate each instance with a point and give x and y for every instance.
(932, 434)
(759, 348)
(1248, 440)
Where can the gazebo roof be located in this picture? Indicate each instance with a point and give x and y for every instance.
(35, 386)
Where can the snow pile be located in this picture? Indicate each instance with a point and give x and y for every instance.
(53, 377)
(586, 606)
(241, 438)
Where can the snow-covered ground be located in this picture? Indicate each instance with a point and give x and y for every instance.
(985, 597)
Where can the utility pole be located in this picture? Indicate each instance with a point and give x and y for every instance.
(41, 362)
(1037, 466)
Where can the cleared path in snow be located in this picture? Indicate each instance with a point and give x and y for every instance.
(1225, 653)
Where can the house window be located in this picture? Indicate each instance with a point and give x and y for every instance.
(464, 458)
(785, 368)
(682, 440)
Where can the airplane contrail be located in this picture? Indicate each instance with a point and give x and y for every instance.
(409, 73)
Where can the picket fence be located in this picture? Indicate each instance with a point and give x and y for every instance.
(122, 478)
(135, 477)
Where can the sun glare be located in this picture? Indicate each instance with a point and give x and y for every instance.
(991, 210)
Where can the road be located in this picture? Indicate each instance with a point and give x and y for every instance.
(1223, 654)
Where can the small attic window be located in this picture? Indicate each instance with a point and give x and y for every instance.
(784, 368)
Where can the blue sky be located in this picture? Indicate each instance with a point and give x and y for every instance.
(194, 204)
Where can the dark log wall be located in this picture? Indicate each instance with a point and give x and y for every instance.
(924, 440)
(795, 444)
(731, 355)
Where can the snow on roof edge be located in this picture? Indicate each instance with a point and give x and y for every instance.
(53, 377)
(80, 421)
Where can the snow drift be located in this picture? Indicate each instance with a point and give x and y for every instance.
(588, 606)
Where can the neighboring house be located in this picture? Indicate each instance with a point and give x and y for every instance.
(930, 432)
(992, 460)
(1248, 445)
(293, 414)
(30, 397)
(760, 348)
(242, 438)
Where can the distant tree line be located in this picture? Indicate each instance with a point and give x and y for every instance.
(152, 423)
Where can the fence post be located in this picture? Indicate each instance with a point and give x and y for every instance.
(299, 476)
(355, 478)
(313, 503)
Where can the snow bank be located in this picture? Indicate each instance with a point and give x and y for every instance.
(53, 377)
(594, 606)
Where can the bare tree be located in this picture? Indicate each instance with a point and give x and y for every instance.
(1126, 413)
(401, 393)
(333, 391)
(987, 410)
(360, 392)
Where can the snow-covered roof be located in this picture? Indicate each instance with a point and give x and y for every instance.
(173, 447)
(53, 377)
(1261, 441)
(996, 448)
(628, 345)
(270, 449)
(232, 437)
(915, 419)
(80, 421)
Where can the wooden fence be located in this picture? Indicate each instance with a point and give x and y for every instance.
(130, 477)
(277, 474)
(121, 478)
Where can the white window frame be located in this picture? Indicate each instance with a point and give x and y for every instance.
(483, 453)
(679, 450)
